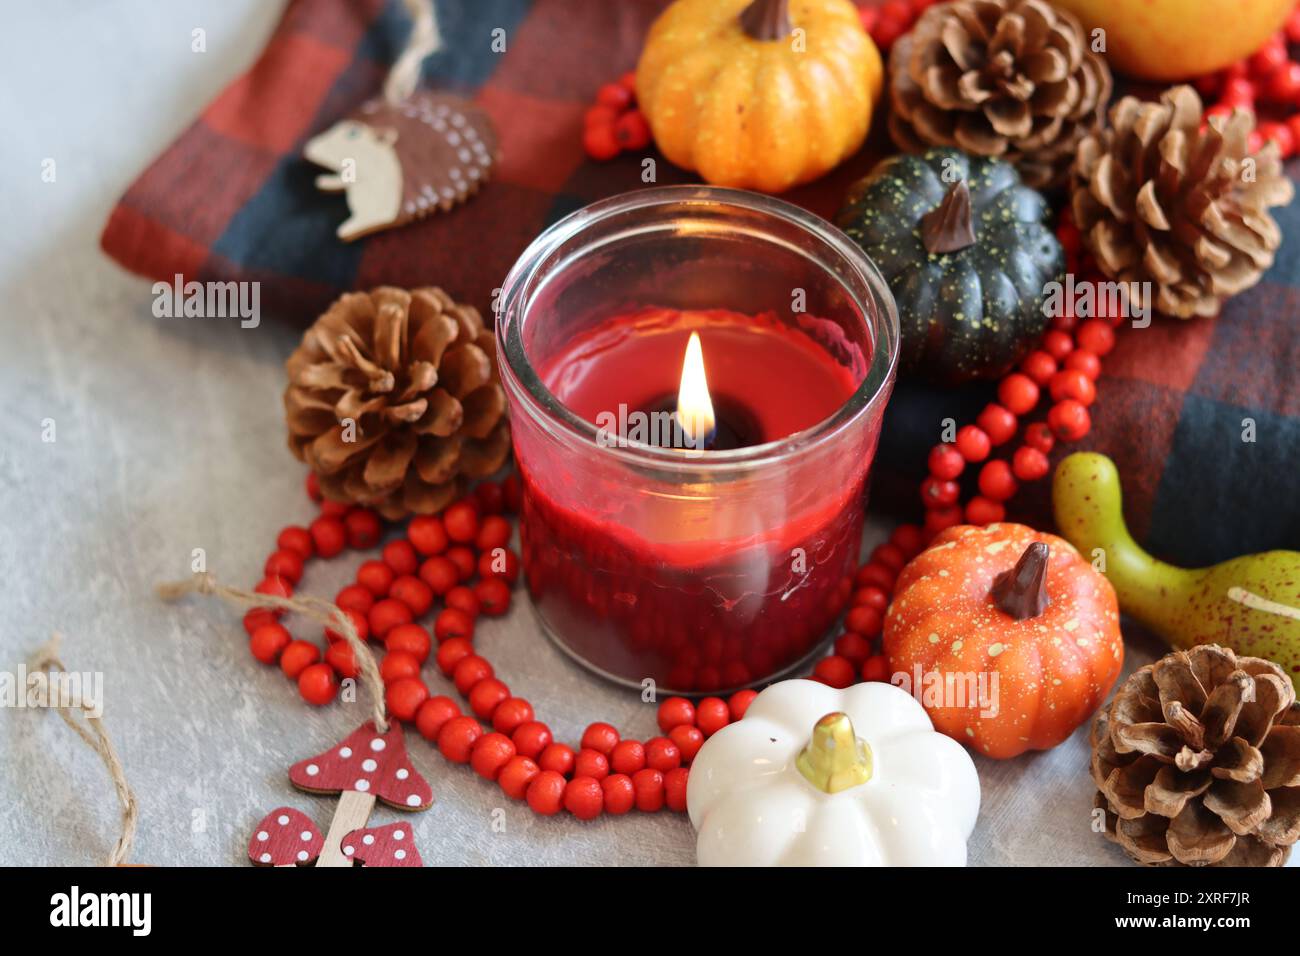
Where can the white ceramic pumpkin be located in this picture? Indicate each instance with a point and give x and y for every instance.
(814, 776)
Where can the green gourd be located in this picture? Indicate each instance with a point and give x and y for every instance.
(968, 252)
(1251, 603)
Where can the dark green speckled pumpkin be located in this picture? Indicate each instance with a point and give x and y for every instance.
(967, 250)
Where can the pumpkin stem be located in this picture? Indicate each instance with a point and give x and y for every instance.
(767, 19)
(835, 759)
(1022, 591)
(947, 227)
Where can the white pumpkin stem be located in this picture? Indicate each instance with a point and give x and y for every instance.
(835, 759)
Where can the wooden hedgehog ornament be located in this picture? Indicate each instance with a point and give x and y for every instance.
(410, 153)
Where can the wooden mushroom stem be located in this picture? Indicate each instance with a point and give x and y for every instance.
(1022, 591)
(948, 227)
(767, 20)
(835, 759)
(352, 813)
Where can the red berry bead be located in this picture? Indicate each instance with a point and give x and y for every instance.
(409, 639)
(1070, 383)
(877, 574)
(451, 653)
(876, 669)
(1284, 85)
(456, 738)
(354, 597)
(936, 493)
(600, 736)
(511, 714)
(317, 684)
(285, 564)
(1238, 91)
(865, 620)
(1069, 420)
(463, 598)
(376, 577)
(329, 536)
(620, 794)
(1096, 336)
(486, 696)
(739, 702)
(614, 95)
(313, 486)
(662, 754)
(297, 656)
(1018, 393)
(998, 423)
(627, 757)
(1081, 360)
(1058, 344)
(440, 574)
(835, 671)
(983, 511)
(1292, 26)
(516, 775)
(545, 793)
(871, 596)
(1029, 464)
(689, 740)
(494, 532)
(583, 797)
(386, 615)
(674, 712)
(493, 596)
(909, 537)
(401, 556)
(490, 498)
(297, 539)
(490, 755)
(531, 738)
(1269, 57)
(340, 657)
(1039, 366)
(946, 462)
(363, 527)
(461, 522)
(469, 672)
(398, 664)
(675, 782)
(464, 559)
(854, 647)
(268, 641)
(599, 115)
(559, 758)
(359, 622)
(499, 563)
(1278, 133)
(889, 555)
(711, 715)
(591, 763)
(405, 696)
(996, 482)
(427, 535)
(451, 623)
(412, 592)
(939, 519)
(632, 131)
(1039, 436)
(335, 509)
(649, 787)
(275, 586)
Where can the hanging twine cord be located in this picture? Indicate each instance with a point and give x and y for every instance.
(91, 730)
(425, 38)
(317, 609)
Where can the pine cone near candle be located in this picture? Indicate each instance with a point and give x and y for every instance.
(1015, 79)
(1198, 761)
(1160, 200)
(394, 399)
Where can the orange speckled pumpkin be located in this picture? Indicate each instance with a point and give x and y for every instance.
(758, 95)
(1009, 601)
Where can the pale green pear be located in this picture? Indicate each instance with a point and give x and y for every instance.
(1251, 603)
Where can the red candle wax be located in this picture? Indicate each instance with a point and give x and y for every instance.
(675, 587)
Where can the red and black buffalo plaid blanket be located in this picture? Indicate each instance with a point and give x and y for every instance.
(232, 198)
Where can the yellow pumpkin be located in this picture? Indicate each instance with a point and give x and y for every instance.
(758, 95)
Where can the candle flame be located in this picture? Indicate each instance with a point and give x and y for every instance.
(694, 406)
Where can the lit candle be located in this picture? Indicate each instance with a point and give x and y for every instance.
(694, 406)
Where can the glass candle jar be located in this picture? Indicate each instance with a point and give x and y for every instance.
(703, 570)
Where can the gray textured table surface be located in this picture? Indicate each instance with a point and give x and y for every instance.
(169, 437)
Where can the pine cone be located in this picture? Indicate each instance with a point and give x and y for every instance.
(394, 398)
(1009, 78)
(1159, 200)
(1198, 761)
